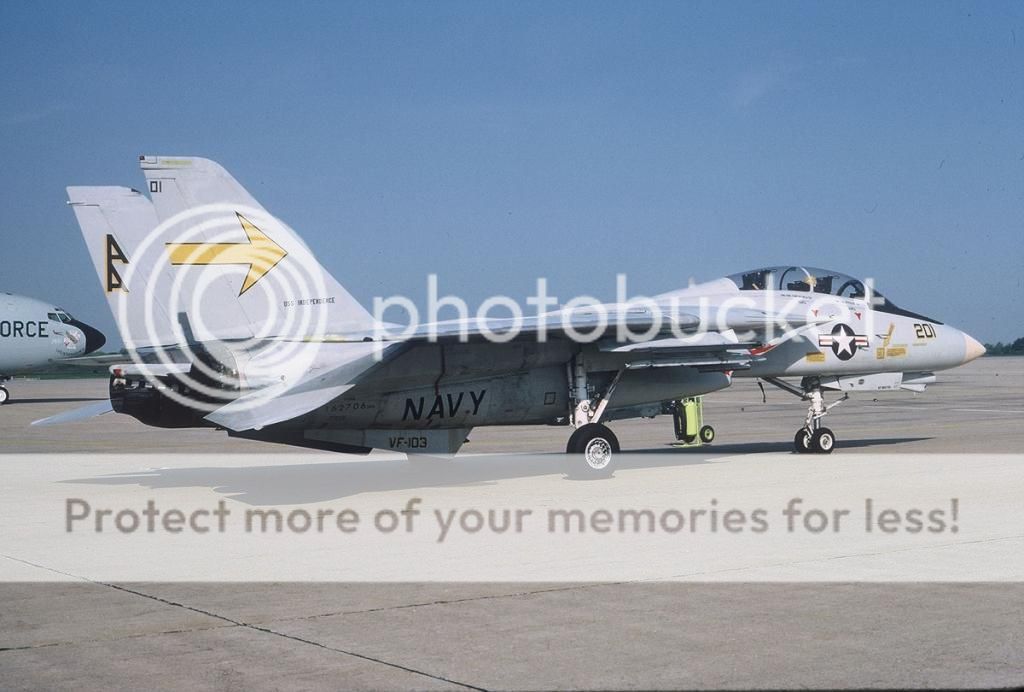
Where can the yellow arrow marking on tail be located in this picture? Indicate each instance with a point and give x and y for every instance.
(260, 252)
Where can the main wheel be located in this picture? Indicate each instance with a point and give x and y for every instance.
(5, 396)
(570, 446)
(707, 434)
(802, 441)
(823, 441)
(594, 445)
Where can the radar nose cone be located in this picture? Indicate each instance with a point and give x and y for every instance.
(94, 338)
(972, 349)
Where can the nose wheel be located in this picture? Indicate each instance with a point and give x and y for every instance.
(820, 441)
(5, 396)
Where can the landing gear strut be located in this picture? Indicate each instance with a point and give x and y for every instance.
(813, 438)
(592, 444)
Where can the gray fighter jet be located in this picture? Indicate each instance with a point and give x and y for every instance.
(34, 335)
(233, 323)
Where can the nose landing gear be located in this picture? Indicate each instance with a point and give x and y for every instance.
(818, 441)
(813, 437)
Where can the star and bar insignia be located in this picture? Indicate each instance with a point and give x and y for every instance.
(843, 341)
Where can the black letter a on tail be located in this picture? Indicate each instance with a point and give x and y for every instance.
(114, 254)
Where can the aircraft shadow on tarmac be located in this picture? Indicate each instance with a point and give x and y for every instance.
(760, 447)
(287, 484)
(55, 400)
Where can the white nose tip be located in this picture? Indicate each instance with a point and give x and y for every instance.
(972, 349)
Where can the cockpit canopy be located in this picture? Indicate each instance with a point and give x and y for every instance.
(60, 316)
(815, 280)
(794, 278)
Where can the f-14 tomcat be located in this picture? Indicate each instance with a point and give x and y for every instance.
(233, 323)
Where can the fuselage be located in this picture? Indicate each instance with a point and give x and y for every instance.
(808, 324)
(34, 334)
(843, 330)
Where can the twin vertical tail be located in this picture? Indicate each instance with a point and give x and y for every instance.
(225, 307)
(200, 259)
(114, 223)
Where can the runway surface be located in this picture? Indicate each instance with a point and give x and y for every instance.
(508, 635)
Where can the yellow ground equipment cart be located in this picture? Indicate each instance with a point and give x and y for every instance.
(688, 417)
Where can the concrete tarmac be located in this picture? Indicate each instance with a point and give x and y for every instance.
(85, 635)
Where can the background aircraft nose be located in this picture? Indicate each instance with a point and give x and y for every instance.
(94, 338)
(972, 349)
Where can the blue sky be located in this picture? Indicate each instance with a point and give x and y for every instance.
(493, 143)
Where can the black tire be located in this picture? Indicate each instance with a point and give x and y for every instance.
(707, 434)
(570, 446)
(823, 441)
(594, 447)
(5, 396)
(802, 441)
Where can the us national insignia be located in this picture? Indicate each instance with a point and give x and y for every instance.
(843, 341)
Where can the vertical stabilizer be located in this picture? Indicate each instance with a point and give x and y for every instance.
(210, 223)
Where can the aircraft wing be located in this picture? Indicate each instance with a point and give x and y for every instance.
(564, 323)
(98, 361)
(709, 351)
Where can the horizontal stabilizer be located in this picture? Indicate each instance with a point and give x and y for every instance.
(286, 401)
(249, 413)
(75, 415)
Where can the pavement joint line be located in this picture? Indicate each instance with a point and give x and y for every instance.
(452, 601)
(137, 635)
(292, 637)
(246, 625)
(28, 647)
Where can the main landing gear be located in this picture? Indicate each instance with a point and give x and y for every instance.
(813, 438)
(592, 445)
(5, 396)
